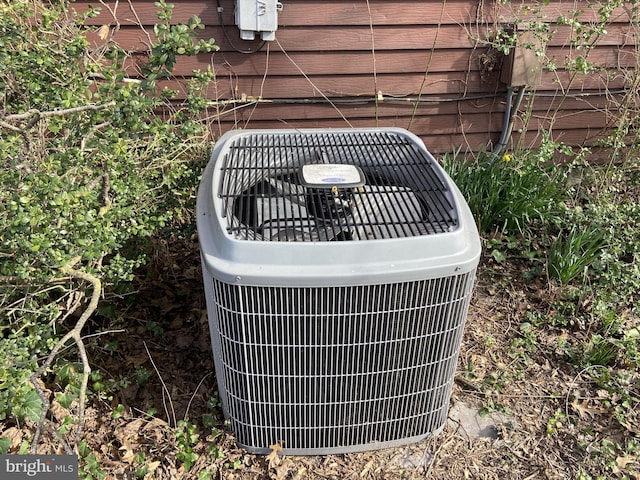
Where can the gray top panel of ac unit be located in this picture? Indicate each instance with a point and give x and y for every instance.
(388, 213)
(323, 185)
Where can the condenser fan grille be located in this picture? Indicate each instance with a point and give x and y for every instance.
(322, 369)
(265, 197)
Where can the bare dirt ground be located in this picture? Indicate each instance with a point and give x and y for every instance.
(159, 361)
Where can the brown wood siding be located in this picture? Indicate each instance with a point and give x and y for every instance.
(414, 64)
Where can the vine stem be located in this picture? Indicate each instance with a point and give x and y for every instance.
(427, 67)
(75, 335)
(376, 92)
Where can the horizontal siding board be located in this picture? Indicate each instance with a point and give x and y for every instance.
(579, 82)
(349, 13)
(297, 13)
(420, 125)
(458, 83)
(486, 122)
(340, 63)
(390, 37)
(440, 61)
(577, 120)
(477, 132)
(278, 64)
(266, 111)
(579, 137)
(436, 142)
(322, 38)
(483, 123)
(342, 85)
(541, 106)
(584, 11)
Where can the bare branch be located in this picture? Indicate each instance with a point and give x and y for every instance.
(75, 335)
(32, 114)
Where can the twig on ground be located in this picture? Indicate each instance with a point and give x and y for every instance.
(165, 390)
(186, 413)
(75, 335)
(106, 332)
(434, 457)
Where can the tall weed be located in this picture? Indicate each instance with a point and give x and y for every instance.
(573, 252)
(508, 194)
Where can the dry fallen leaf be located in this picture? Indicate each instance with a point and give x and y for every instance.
(103, 32)
(155, 429)
(622, 462)
(129, 455)
(130, 429)
(128, 437)
(58, 411)
(272, 457)
(584, 409)
(630, 426)
(281, 472)
(151, 467)
(155, 423)
(366, 468)
(14, 434)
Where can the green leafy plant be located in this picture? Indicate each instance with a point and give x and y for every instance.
(89, 173)
(556, 422)
(618, 266)
(5, 444)
(186, 438)
(173, 40)
(599, 351)
(526, 345)
(90, 468)
(573, 252)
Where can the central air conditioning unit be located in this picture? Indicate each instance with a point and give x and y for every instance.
(338, 268)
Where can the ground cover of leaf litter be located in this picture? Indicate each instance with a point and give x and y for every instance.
(158, 360)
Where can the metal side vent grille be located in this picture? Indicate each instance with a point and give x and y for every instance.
(321, 369)
(265, 196)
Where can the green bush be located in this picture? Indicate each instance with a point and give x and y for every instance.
(89, 171)
(601, 232)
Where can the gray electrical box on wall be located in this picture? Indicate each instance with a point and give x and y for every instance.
(523, 65)
(257, 16)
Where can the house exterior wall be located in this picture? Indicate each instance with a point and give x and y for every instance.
(421, 65)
